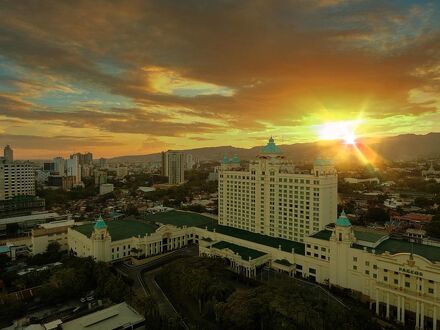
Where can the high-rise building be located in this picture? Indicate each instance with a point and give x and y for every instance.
(190, 161)
(272, 197)
(74, 168)
(8, 154)
(49, 166)
(59, 166)
(102, 163)
(88, 158)
(16, 179)
(173, 166)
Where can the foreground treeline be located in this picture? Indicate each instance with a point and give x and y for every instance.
(72, 280)
(210, 296)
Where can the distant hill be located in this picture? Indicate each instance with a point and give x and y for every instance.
(401, 147)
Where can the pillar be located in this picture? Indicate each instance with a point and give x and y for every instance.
(418, 315)
(398, 309)
(434, 318)
(388, 306)
(402, 312)
(422, 316)
(377, 302)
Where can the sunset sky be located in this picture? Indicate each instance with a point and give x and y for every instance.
(136, 77)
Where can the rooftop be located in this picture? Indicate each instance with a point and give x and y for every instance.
(180, 219)
(244, 252)
(394, 246)
(271, 148)
(323, 234)
(286, 245)
(343, 221)
(120, 229)
(113, 317)
(283, 262)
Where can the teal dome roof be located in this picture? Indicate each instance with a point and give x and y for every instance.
(100, 223)
(225, 160)
(343, 221)
(235, 160)
(271, 148)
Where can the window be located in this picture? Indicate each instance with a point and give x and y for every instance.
(367, 272)
(407, 285)
(396, 281)
(355, 267)
(430, 290)
(385, 278)
(355, 259)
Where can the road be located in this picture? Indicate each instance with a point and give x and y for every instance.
(144, 279)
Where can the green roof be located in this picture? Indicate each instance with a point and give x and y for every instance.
(368, 236)
(343, 221)
(235, 160)
(283, 262)
(271, 148)
(100, 223)
(397, 246)
(244, 252)
(180, 219)
(286, 245)
(120, 229)
(323, 234)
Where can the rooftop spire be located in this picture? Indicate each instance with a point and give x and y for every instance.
(100, 223)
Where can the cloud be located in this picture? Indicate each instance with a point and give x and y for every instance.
(180, 69)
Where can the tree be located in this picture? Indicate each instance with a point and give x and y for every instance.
(433, 228)
(376, 214)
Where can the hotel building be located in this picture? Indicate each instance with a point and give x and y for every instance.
(399, 278)
(273, 198)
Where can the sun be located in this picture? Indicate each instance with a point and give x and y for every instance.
(350, 138)
(339, 130)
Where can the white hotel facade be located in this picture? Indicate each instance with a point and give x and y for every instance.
(271, 197)
(399, 279)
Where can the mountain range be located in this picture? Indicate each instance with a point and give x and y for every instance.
(401, 147)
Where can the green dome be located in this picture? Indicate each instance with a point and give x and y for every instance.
(225, 160)
(100, 223)
(235, 160)
(271, 148)
(343, 221)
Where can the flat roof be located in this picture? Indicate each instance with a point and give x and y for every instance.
(32, 217)
(191, 219)
(284, 262)
(322, 234)
(120, 229)
(274, 242)
(244, 252)
(362, 235)
(369, 235)
(394, 246)
(180, 218)
(113, 317)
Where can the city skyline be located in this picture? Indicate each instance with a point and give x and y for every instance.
(141, 77)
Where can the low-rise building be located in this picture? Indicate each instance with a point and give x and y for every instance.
(398, 277)
(106, 188)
